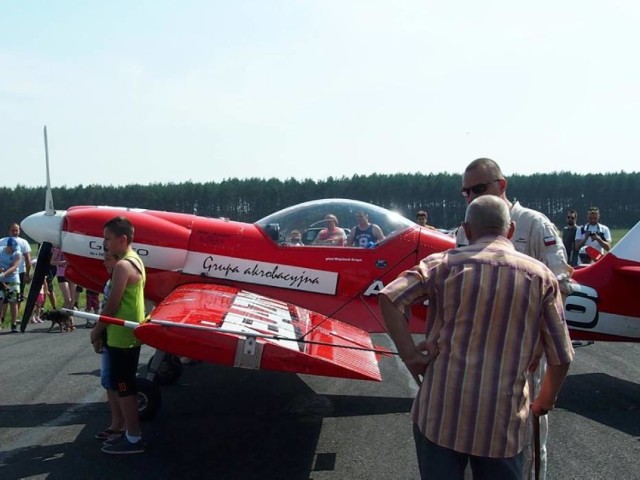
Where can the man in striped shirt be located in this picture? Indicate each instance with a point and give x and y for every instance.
(492, 312)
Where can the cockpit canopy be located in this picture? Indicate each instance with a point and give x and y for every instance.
(308, 218)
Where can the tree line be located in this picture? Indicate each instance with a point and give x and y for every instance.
(248, 200)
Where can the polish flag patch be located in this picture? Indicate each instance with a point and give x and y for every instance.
(548, 241)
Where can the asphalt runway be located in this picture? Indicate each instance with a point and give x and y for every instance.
(228, 423)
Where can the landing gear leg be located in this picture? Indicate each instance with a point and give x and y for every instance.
(163, 368)
(149, 394)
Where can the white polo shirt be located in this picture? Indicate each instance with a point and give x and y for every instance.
(602, 230)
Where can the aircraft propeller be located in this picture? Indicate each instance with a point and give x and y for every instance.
(43, 263)
(42, 268)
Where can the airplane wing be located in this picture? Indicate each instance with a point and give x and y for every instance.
(230, 326)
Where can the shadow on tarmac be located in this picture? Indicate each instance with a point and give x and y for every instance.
(602, 398)
(216, 422)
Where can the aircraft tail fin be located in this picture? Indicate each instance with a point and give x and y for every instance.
(628, 247)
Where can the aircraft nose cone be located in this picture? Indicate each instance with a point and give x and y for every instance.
(44, 228)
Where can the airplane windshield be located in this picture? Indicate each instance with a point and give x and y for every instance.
(309, 219)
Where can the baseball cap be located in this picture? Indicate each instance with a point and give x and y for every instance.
(12, 242)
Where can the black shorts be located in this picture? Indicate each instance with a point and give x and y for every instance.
(123, 364)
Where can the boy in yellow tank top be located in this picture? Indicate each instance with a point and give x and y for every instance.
(126, 301)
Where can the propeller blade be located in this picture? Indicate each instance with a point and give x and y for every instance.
(48, 201)
(42, 268)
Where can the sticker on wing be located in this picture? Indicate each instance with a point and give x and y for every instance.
(233, 327)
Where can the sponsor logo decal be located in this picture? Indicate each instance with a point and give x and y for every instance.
(262, 273)
(215, 266)
(153, 256)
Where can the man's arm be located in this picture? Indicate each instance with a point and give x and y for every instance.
(377, 232)
(581, 238)
(119, 280)
(27, 265)
(547, 246)
(398, 328)
(352, 236)
(14, 265)
(339, 238)
(605, 243)
(551, 384)
(320, 238)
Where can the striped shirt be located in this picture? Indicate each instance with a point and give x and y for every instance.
(492, 312)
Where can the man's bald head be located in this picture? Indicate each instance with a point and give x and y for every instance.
(487, 215)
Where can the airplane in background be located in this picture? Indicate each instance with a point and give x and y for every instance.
(602, 305)
(239, 294)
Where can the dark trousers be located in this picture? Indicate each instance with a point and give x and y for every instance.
(439, 463)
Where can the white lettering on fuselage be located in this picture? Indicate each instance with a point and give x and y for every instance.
(276, 273)
(376, 287)
(262, 273)
(214, 266)
(153, 256)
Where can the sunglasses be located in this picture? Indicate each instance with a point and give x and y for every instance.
(570, 217)
(478, 189)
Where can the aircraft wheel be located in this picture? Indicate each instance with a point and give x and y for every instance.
(149, 398)
(169, 370)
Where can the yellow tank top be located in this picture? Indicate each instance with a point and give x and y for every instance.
(131, 308)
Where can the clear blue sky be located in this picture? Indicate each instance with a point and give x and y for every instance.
(157, 91)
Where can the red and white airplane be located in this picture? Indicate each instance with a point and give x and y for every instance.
(239, 294)
(233, 279)
(217, 270)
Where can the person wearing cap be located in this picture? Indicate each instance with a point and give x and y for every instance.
(24, 270)
(332, 235)
(10, 258)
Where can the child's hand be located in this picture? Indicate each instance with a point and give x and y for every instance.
(98, 346)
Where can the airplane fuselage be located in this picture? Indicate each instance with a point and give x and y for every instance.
(177, 249)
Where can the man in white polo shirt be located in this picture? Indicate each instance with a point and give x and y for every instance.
(593, 234)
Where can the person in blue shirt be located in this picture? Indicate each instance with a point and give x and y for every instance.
(10, 258)
(364, 233)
